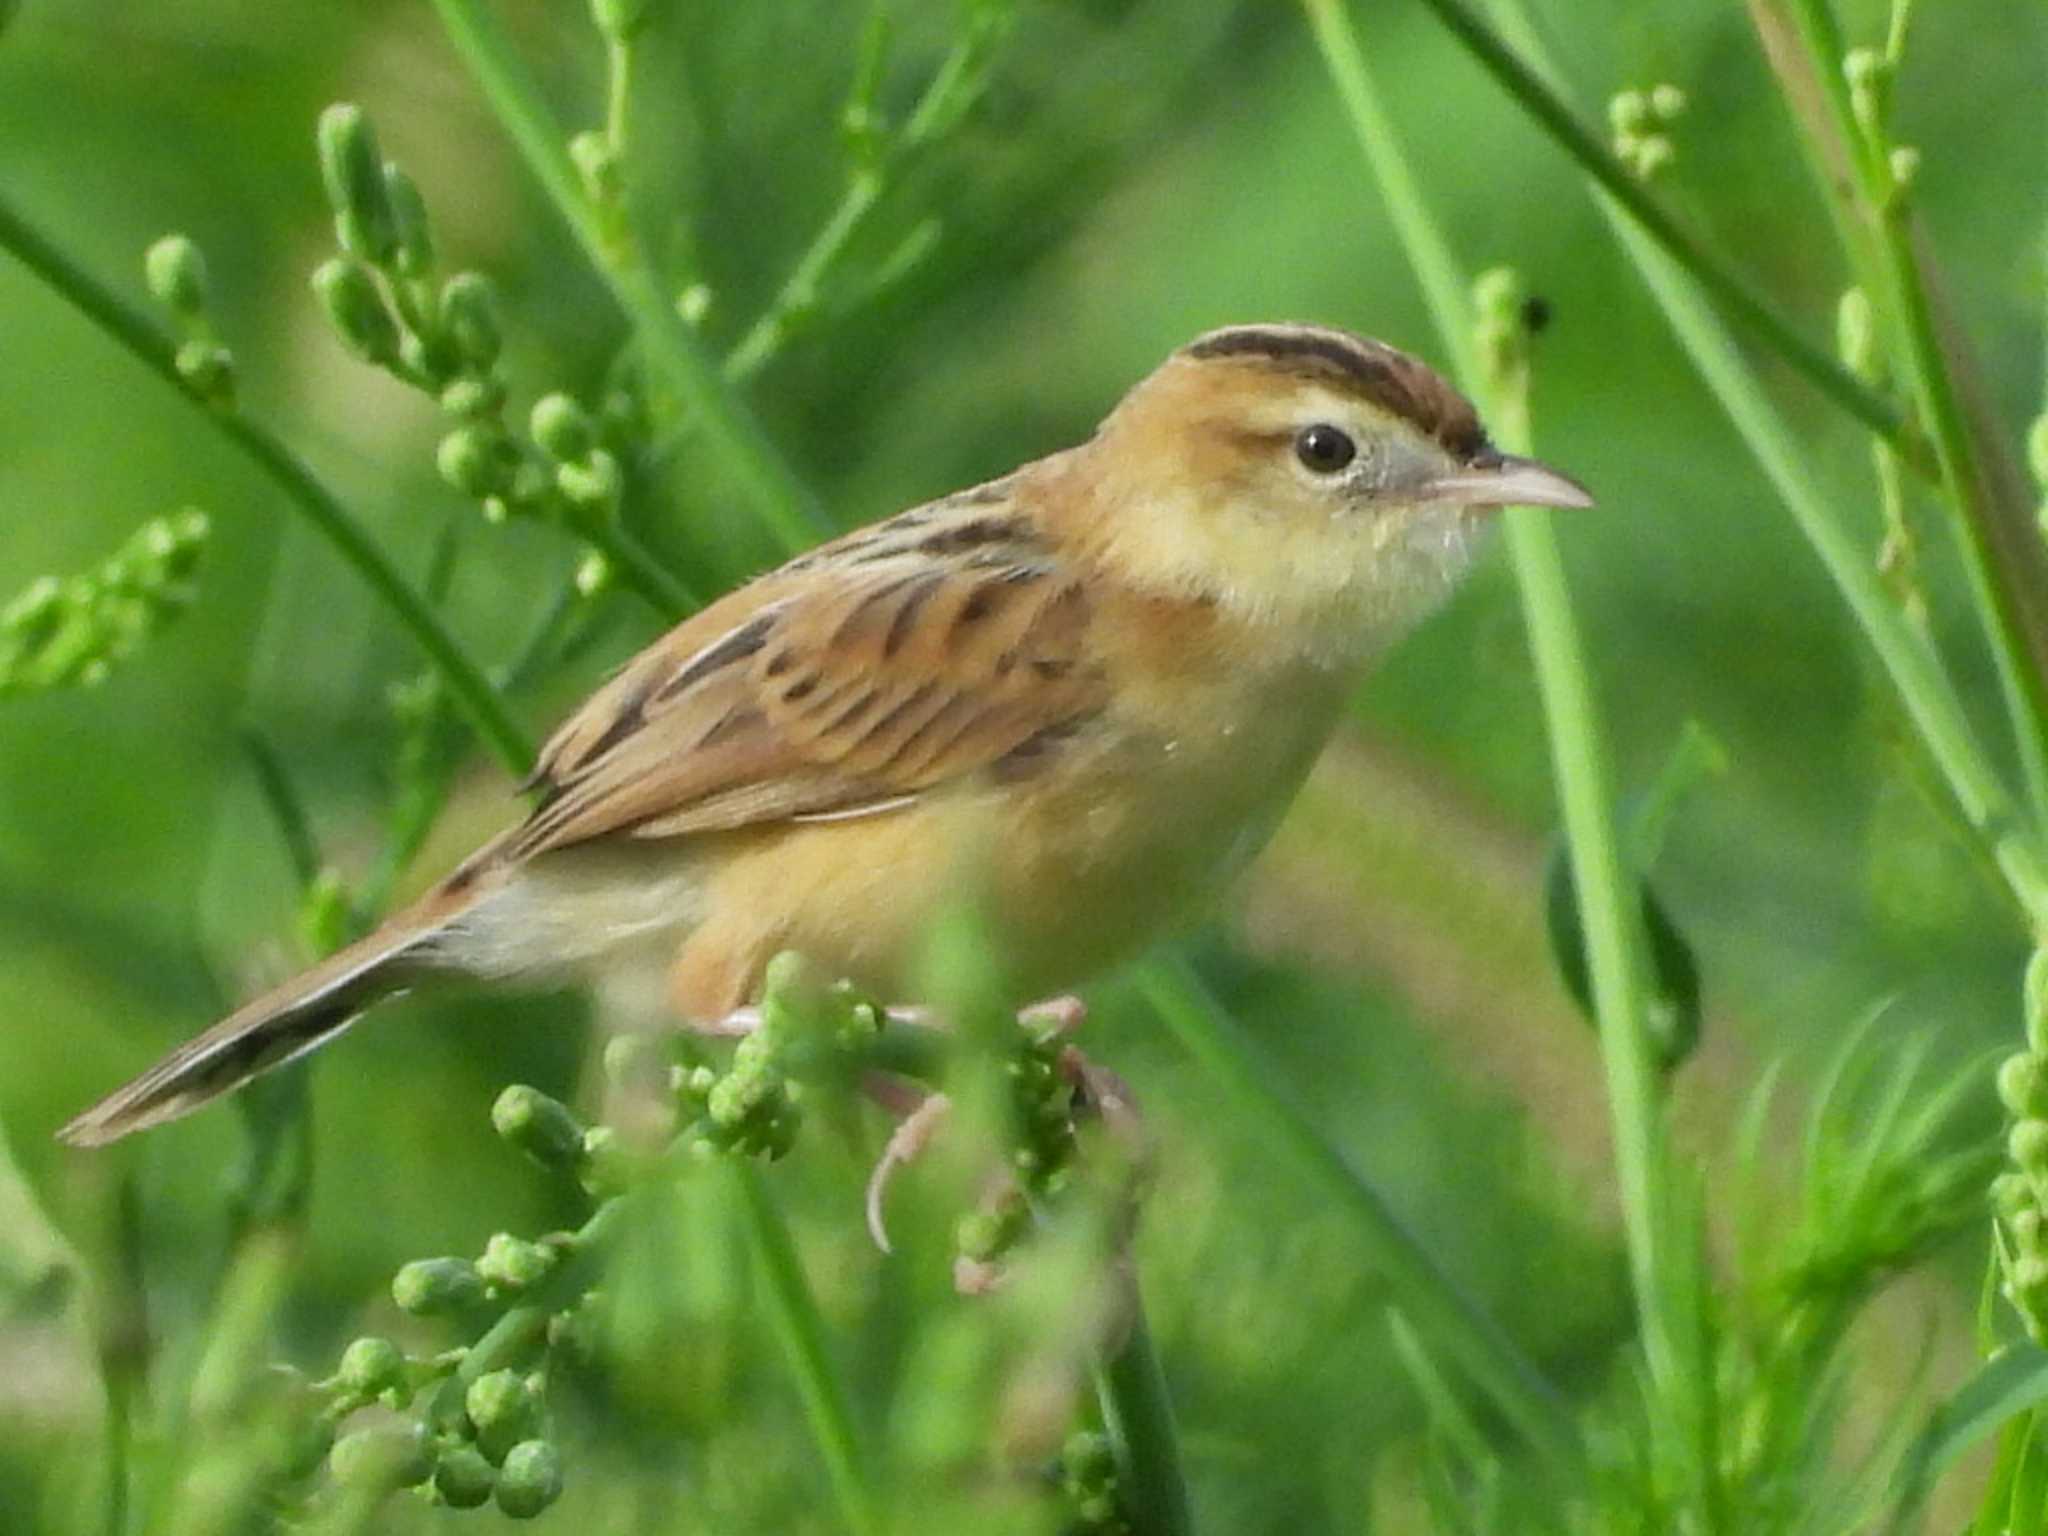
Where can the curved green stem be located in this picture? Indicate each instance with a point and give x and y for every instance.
(291, 474)
(774, 494)
(1138, 1416)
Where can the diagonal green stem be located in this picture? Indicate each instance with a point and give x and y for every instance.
(292, 475)
(794, 1314)
(1138, 1415)
(773, 492)
(1439, 1305)
(1552, 114)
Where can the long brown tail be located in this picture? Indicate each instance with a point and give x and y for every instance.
(280, 1026)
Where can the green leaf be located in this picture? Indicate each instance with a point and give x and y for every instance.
(2013, 1384)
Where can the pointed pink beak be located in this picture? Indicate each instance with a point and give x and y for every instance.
(1503, 480)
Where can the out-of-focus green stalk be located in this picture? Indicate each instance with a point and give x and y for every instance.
(1660, 1260)
(1439, 1306)
(797, 1323)
(1527, 89)
(773, 492)
(289, 472)
(1138, 1415)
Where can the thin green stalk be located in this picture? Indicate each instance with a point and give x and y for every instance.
(797, 1323)
(2000, 544)
(1137, 1413)
(1529, 91)
(648, 577)
(672, 349)
(291, 474)
(1437, 1303)
(765, 336)
(1607, 896)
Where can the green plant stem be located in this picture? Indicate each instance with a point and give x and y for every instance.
(1437, 1303)
(291, 474)
(1555, 117)
(1137, 1413)
(672, 349)
(2000, 544)
(764, 338)
(794, 1314)
(640, 571)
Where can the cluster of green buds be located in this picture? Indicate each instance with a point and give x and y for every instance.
(59, 633)
(383, 296)
(1641, 120)
(1088, 1479)
(2020, 1195)
(1870, 73)
(175, 273)
(1040, 1114)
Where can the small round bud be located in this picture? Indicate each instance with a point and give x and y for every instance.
(1653, 154)
(471, 460)
(562, 427)
(433, 1287)
(1856, 332)
(531, 1479)
(606, 1168)
(2026, 1232)
(693, 304)
(370, 1366)
(2023, 1085)
(619, 20)
(1628, 113)
(389, 1456)
(598, 166)
(1667, 102)
(1905, 166)
(413, 255)
(539, 1126)
(1863, 67)
(353, 172)
(594, 574)
(2028, 1144)
(464, 1479)
(512, 1264)
(473, 397)
(176, 274)
(2012, 1193)
(208, 370)
(593, 485)
(355, 308)
(469, 314)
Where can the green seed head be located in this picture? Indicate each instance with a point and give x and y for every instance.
(389, 1456)
(531, 1479)
(469, 314)
(471, 460)
(353, 172)
(562, 428)
(413, 255)
(2028, 1144)
(355, 308)
(464, 1479)
(512, 1264)
(592, 486)
(208, 370)
(473, 397)
(499, 1400)
(176, 274)
(539, 1126)
(433, 1287)
(2012, 1193)
(1628, 113)
(2023, 1085)
(1667, 102)
(372, 1365)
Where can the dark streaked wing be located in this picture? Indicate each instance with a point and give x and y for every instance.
(901, 657)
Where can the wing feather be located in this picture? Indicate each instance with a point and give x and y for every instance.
(906, 656)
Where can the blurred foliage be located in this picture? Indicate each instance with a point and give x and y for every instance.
(1133, 173)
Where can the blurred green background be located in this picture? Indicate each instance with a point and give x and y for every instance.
(1139, 172)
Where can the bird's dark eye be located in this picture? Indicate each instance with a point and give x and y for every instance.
(1324, 448)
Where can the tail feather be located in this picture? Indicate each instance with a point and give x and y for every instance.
(280, 1026)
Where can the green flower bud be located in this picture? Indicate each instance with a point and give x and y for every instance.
(389, 1456)
(562, 428)
(353, 172)
(469, 314)
(1905, 166)
(593, 486)
(473, 460)
(693, 304)
(619, 20)
(1667, 101)
(531, 1479)
(2023, 1085)
(512, 1264)
(2012, 1193)
(539, 1126)
(2026, 1232)
(464, 1479)
(1628, 113)
(434, 1287)
(2028, 1144)
(594, 574)
(1652, 155)
(473, 398)
(208, 370)
(597, 165)
(355, 308)
(1856, 333)
(371, 1366)
(176, 274)
(606, 1166)
(414, 253)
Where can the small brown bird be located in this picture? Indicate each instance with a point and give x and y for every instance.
(1083, 694)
